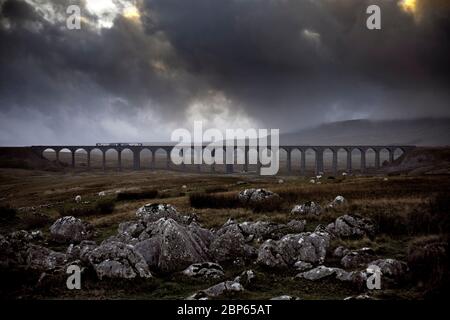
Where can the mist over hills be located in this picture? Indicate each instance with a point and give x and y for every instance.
(421, 132)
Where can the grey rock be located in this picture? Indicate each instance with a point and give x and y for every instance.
(118, 260)
(319, 273)
(229, 244)
(285, 297)
(309, 207)
(357, 258)
(256, 195)
(302, 266)
(218, 290)
(18, 251)
(307, 247)
(352, 226)
(169, 246)
(357, 278)
(70, 229)
(80, 251)
(359, 297)
(246, 277)
(44, 259)
(340, 251)
(205, 270)
(152, 212)
(391, 268)
(338, 201)
(262, 230)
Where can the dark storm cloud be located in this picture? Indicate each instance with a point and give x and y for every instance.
(278, 63)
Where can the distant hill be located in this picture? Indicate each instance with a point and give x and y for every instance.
(422, 161)
(421, 132)
(25, 158)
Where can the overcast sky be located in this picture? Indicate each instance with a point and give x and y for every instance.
(139, 69)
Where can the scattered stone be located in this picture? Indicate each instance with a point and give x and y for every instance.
(102, 194)
(359, 297)
(261, 230)
(229, 244)
(280, 181)
(391, 268)
(70, 229)
(309, 207)
(152, 212)
(352, 226)
(246, 277)
(356, 278)
(302, 266)
(118, 260)
(318, 273)
(340, 251)
(78, 199)
(44, 259)
(220, 289)
(206, 270)
(338, 201)
(17, 250)
(169, 246)
(307, 247)
(344, 174)
(256, 195)
(285, 297)
(312, 181)
(184, 186)
(357, 258)
(80, 251)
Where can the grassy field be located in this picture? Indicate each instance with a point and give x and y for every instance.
(406, 209)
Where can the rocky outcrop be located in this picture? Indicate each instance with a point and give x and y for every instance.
(70, 229)
(338, 201)
(261, 230)
(391, 268)
(152, 212)
(230, 245)
(118, 260)
(284, 297)
(169, 246)
(205, 270)
(352, 226)
(307, 247)
(17, 250)
(357, 278)
(80, 251)
(302, 266)
(309, 207)
(357, 258)
(218, 290)
(246, 277)
(256, 195)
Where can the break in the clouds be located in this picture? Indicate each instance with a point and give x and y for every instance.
(138, 69)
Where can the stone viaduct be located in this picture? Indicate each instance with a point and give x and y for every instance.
(318, 151)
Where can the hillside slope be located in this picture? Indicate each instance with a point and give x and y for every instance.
(420, 132)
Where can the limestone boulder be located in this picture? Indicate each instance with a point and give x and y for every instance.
(70, 229)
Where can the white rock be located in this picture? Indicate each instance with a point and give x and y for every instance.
(312, 181)
(102, 194)
(280, 181)
(78, 199)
